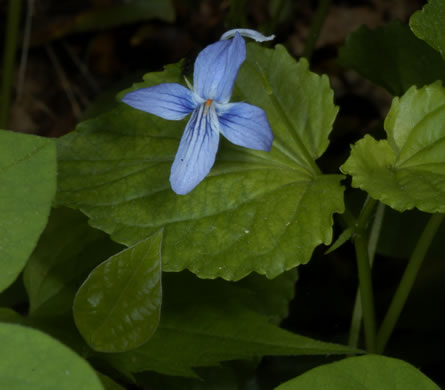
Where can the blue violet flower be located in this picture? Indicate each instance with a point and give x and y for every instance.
(215, 71)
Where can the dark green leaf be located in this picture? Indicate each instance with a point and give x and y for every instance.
(392, 57)
(343, 238)
(10, 316)
(118, 306)
(408, 169)
(30, 359)
(256, 211)
(206, 322)
(368, 372)
(27, 188)
(108, 383)
(272, 296)
(428, 24)
(130, 11)
(66, 253)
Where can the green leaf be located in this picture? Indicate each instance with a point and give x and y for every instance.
(10, 316)
(30, 359)
(66, 253)
(206, 322)
(256, 211)
(392, 57)
(364, 372)
(130, 11)
(342, 239)
(408, 169)
(27, 188)
(108, 383)
(118, 306)
(428, 24)
(271, 296)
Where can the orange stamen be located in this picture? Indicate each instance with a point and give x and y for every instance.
(208, 102)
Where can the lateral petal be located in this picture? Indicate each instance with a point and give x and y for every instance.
(216, 69)
(197, 151)
(245, 125)
(169, 100)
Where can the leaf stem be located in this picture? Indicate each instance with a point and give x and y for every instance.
(357, 313)
(407, 281)
(364, 274)
(12, 30)
(317, 24)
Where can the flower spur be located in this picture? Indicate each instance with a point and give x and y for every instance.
(215, 71)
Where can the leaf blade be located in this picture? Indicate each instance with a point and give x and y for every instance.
(56, 367)
(118, 307)
(408, 169)
(364, 372)
(27, 166)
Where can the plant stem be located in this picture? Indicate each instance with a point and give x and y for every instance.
(407, 281)
(364, 274)
(12, 30)
(317, 24)
(357, 313)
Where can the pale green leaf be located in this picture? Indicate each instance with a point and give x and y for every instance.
(428, 24)
(118, 306)
(256, 211)
(27, 188)
(368, 372)
(30, 359)
(393, 57)
(66, 253)
(408, 169)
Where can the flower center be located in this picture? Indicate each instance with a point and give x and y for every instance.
(208, 103)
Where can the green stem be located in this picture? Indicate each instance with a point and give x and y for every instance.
(407, 281)
(364, 274)
(317, 24)
(12, 30)
(357, 313)
(366, 294)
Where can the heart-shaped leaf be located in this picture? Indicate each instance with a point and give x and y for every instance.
(364, 372)
(256, 211)
(118, 306)
(408, 169)
(27, 188)
(428, 24)
(30, 359)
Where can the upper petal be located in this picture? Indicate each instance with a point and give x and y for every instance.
(169, 101)
(248, 33)
(216, 69)
(197, 150)
(245, 125)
